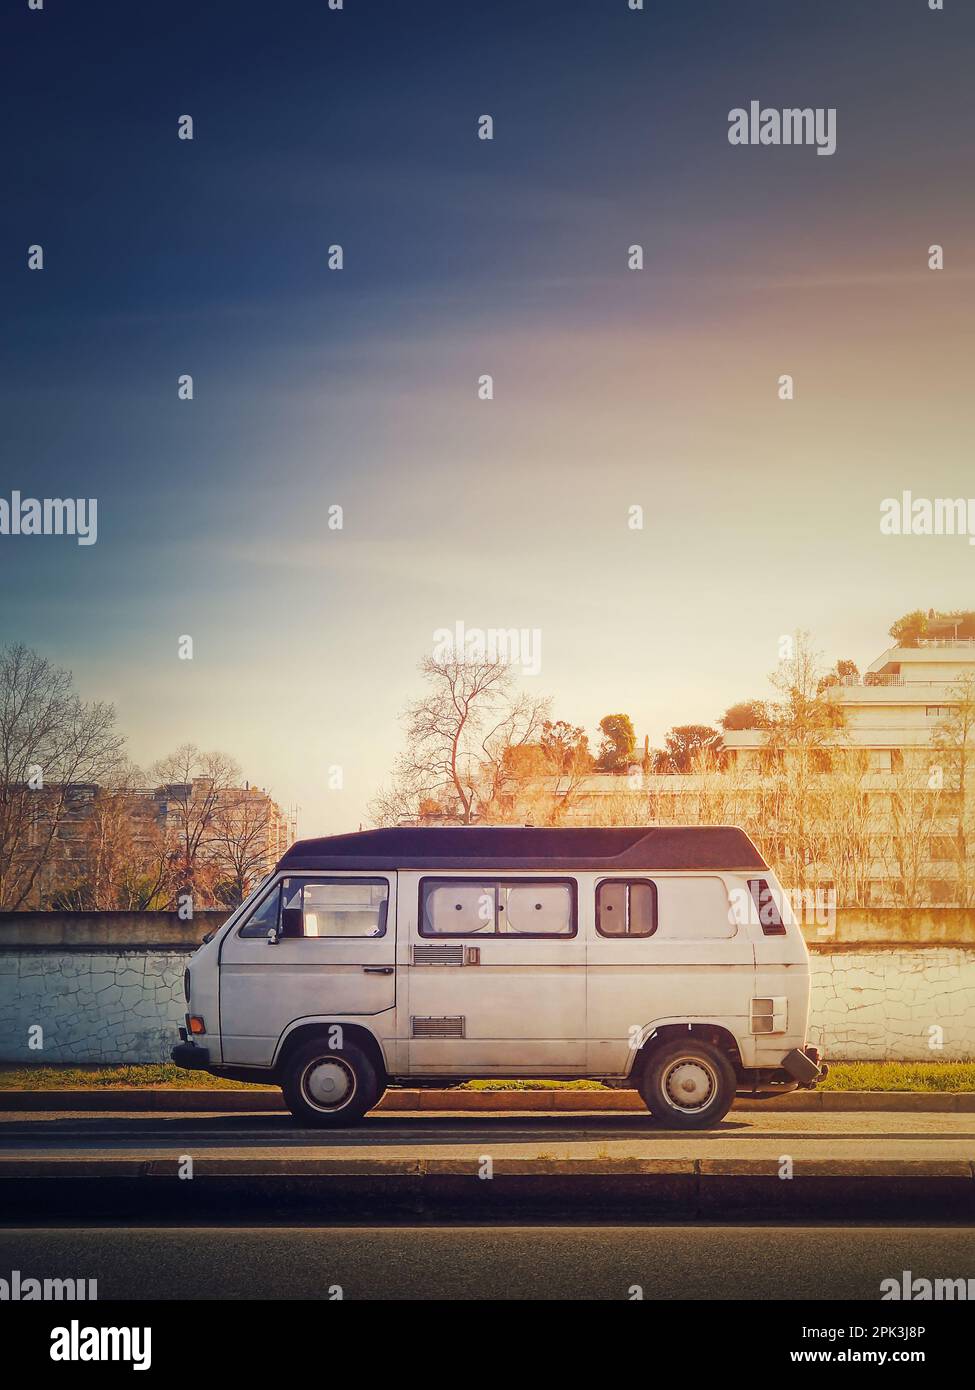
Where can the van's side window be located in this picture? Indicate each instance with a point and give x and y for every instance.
(626, 907)
(768, 910)
(334, 907)
(264, 916)
(497, 907)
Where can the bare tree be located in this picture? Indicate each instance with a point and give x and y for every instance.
(50, 741)
(570, 767)
(126, 857)
(239, 843)
(954, 744)
(846, 825)
(196, 785)
(467, 717)
(511, 754)
(805, 725)
(914, 821)
(397, 803)
(628, 806)
(805, 716)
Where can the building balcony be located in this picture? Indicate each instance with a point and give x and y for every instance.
(948, 657)
(886, 682)
(858, 682)
(897, 695)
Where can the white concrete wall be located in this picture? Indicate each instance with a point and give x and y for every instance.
(125, 1006)
(121, 1006)
(881, 1004)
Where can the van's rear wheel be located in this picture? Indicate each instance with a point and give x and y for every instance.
(688, 1085)
(324, 1086)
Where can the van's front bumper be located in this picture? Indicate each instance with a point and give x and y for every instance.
(191, 1055)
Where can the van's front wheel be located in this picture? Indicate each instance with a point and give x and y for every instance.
(689, 1085)
(328, 1087)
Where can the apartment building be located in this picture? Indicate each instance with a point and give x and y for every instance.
(887, 828)
(893, 708)
(80, 833)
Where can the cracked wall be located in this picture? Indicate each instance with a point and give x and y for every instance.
(120, 1006)
(117, 1006)
(912, 1004)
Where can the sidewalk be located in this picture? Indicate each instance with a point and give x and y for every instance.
(497, 1102)
(472, 1155)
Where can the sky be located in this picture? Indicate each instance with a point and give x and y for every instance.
(613, 388)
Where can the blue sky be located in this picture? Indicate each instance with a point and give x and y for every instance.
(463, 256)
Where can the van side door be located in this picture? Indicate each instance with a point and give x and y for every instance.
(497, 981)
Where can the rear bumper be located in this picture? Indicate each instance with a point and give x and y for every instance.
(191, 1056)
(804, 1065)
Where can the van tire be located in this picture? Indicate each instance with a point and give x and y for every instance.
(317, 1072)
(695, 1071)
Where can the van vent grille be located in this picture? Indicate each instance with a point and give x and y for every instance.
(770, 1015)
(438, 955)
(437, 1027)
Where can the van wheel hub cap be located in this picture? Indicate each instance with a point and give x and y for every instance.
(328, 1084)
(689, 1084)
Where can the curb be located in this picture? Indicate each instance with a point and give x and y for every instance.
(346, 1187)
(204, 1099)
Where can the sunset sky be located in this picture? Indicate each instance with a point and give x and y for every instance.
(612, 387)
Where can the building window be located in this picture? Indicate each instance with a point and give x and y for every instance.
(626, 907)
(939, 711)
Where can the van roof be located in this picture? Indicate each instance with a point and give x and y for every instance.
(529, 847)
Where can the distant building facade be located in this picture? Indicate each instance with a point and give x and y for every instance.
(81, 834)
(893, 708)
(877, 818)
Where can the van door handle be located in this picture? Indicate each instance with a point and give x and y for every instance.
(378, 969)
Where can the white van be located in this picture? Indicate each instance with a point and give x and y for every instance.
(665, 959)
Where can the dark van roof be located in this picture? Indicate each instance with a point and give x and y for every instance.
(517, 847)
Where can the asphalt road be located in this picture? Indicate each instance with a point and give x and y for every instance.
(499, 1262)
(753, 1134)
(241, 1258)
